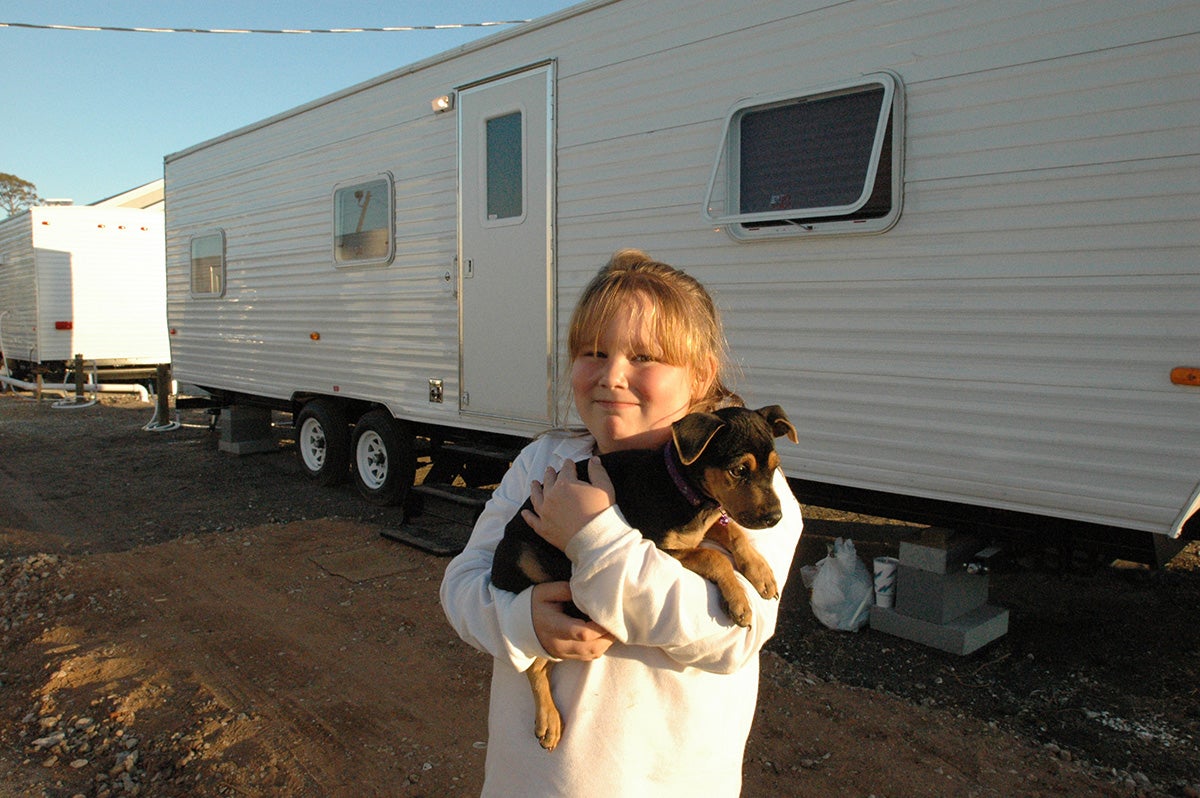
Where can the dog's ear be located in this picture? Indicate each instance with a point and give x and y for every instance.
(778, 420)
(692, 434)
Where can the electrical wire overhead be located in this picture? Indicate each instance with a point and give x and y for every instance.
(389, 29)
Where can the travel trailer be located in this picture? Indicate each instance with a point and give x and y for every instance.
(955, 241)
(85, 280)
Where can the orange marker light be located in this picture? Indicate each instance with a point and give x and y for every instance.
(316, 336)
(1186, 375)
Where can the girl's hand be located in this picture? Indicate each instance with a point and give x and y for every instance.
(563, 504)
(565, 636)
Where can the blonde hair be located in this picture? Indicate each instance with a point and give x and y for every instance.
(682, 319)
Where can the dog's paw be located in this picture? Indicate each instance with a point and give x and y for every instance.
(548, 728)
(738, 607)
(762, 577)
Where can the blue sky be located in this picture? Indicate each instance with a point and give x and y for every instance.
(85, 115)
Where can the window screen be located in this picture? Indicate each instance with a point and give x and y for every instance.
(811, 154)
(208, 264)
(505, 169)
(822, 162)
(363, 222)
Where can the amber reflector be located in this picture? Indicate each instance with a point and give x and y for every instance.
(1186, 375)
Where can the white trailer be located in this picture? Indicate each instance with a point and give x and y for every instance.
(84, 280)
(956, 241)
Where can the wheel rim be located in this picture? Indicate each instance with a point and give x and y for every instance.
(312, 444)
(371, 460)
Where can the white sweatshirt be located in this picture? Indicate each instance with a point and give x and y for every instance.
(667, 710)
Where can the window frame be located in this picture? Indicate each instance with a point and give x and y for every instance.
(219, 233)
(389, 228)
(724, 186)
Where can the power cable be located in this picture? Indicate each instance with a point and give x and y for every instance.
(390, 29)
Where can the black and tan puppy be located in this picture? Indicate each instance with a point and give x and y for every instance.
(714, 474)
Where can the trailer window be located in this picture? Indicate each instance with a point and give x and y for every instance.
(208, 264)
(505, 168)
(362, 228)
(828, 161)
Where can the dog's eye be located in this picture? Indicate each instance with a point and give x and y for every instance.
(739, 471)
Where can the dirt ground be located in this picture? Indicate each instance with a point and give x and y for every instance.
(175, 621)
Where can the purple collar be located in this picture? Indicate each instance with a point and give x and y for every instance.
(682, 484)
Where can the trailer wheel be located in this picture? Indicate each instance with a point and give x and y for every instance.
(324, 442)
(384, 462)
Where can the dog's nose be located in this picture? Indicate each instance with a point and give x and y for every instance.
(769, 519)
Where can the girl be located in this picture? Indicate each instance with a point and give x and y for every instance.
(658, 690)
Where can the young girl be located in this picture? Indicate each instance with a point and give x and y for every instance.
(658, 690)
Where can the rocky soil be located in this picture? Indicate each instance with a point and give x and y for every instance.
(175, 621)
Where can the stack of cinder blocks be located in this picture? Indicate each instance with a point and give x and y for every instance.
(941, 601)
(245, 430)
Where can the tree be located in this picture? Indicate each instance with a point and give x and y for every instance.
(16, 194)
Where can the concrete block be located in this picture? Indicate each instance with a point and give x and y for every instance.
(938, 598)
(939, 550)
(962, 636)
(245, 430)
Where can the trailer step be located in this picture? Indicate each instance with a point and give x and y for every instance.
(439, 517)
(505, 454)
(477, 463)
(448, 502)
(456, 494)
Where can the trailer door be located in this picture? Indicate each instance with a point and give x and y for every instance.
(506, 256)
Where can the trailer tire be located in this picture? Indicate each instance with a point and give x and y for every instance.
(323, 440)
(384, 459)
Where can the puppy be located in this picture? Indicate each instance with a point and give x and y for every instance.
(714, 474)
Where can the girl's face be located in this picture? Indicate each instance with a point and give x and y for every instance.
(626, 396)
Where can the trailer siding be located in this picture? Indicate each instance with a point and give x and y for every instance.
(99, 268)
(18, 288)
(1007, 344)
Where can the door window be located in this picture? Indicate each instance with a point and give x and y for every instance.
(505, 168)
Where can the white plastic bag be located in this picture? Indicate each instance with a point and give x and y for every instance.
(842, 591)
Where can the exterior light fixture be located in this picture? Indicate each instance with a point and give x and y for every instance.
(443, 104)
